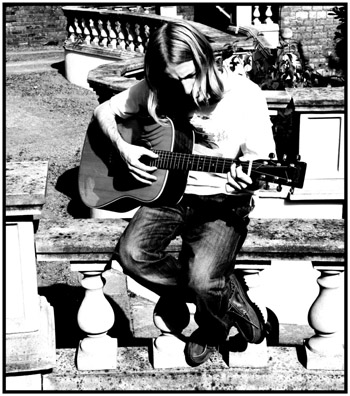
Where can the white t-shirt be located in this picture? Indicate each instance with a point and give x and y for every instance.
(239, 125)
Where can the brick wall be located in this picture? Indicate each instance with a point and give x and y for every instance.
(34, 25)
(314, 28)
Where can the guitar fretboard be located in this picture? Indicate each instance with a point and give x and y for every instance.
(261, 169)
(186, 162)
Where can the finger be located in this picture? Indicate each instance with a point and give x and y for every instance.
(233, 182)
(233, 170)
(150, 153)
(146, 168)
(142, 175)
(140, 179)
(144, 152)
(237, 179)
(242, 176)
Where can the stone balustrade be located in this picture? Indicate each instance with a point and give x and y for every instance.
(123, 30)
(114, 30)
(97, 36)
(88, 245)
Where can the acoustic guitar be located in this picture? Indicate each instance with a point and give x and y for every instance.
(105, 182)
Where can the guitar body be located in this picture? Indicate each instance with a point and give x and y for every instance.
(104, 180)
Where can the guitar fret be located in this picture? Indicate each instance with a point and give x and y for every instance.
(210, 159)
(183, 162)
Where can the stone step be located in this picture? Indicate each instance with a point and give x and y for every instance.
(134, 373)
(33, 61)
(21, 56)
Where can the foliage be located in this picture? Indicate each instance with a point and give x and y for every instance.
(287, 66)
(340, 45)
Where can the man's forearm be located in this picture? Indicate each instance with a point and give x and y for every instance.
(107, 121)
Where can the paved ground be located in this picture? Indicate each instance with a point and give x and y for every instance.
(46, 119)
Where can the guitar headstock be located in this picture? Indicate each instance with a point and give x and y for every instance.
(280, 172)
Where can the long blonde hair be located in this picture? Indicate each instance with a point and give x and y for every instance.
(175, 43)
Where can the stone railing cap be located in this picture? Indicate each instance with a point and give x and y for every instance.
(318, 97)
(26, 184)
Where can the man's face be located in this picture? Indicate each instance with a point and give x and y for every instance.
(185, 73)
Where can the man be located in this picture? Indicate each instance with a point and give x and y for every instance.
(229, 117)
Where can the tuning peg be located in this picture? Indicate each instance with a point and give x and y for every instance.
(279, 188)
(298, 158)
(284, 157)
(271, 155)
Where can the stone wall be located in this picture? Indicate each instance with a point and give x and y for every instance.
(314, 28)
(34, 25)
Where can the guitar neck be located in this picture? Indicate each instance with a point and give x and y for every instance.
(191, 162)
(280, 172)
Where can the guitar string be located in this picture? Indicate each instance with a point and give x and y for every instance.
(221, 162)
(207, 162)
(165, 157)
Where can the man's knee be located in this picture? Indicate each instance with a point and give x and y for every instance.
(199, 283)
(129, 252)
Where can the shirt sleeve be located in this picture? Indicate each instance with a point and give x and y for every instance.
(131, 101)
(259, 142)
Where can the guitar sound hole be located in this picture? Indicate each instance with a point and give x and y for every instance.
(126, 183)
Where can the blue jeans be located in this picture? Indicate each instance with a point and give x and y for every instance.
(213, 229)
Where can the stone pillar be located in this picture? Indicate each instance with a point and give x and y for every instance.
(171, 318)
(97, 351)
(30, 324)
(325, 350)
(243, 354)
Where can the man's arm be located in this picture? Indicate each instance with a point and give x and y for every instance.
(130, 153)
(107, 121)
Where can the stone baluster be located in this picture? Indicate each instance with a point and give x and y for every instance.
(171, 318)
(256, 14)
(97, 351)
(78, 31)
(268, 15)
(139, 46)
(129, 38)
(103, 34)
(250, 355)
(71, 30)
(112, 36)
(325, 350)
(94, 33)
(253, 281)
(147, 33)
(86, 32)
(121, 38)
